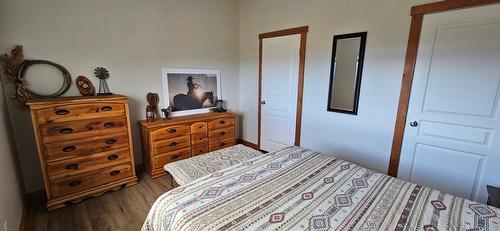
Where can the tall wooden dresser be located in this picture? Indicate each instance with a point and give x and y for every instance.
(166, 141)
(84, 146)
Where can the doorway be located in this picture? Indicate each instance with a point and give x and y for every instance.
(445, 134)
(281, 79)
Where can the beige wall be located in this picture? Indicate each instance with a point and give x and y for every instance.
(11, 190)
(365, 138)
(133, 39)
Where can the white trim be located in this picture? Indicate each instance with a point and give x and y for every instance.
(166, 101)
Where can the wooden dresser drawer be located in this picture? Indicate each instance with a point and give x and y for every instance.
(199, 139)
(199, 128)
(191, 137)
(83, 147)
(81, 111)
(164, 146)
(163, 159)
(198, 150)
(74, 166)
(220, 134)
(169, 132)
(80, 129)
(221, 123)
(89, 180)
(218, 144)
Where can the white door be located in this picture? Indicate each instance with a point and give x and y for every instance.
(451, 140)
(280, 74)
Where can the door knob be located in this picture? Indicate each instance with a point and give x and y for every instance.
(262, 102)
(413, 123)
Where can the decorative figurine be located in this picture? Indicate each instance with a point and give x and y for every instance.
(85, 87)
(150, 114)
(102, 74)
(167, 111)
(219, 106)
(153, 100)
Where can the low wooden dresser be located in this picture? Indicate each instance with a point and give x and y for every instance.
(84, 146)
(166, 141)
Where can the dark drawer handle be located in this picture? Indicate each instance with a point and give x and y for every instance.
(222, 133)
(174, 157)
(62, 112)
(111, 141)
(222, 144)
(172, 131)
(69, 149)
(74, 183)
(71, 167)
(109, 125)
(114, 173)
(66, 130)
(113, 157)
(222, 122)
(173, 143)
(106, 108)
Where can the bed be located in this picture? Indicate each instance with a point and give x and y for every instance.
(188, 170)
(301, 189)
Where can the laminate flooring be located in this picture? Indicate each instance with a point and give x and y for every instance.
(125, 209)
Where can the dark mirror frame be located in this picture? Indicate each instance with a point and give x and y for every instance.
(362, 47)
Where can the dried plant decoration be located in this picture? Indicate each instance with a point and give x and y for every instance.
(14, 68)
(11, 65)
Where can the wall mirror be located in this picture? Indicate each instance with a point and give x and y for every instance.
(345, 73)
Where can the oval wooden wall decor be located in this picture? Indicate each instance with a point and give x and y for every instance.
(85, 87)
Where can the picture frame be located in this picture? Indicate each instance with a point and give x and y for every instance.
(190, 91)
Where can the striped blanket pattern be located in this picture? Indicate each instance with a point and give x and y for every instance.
(300, 189)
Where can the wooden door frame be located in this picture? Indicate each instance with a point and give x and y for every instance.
(302, 60)
(417, 17)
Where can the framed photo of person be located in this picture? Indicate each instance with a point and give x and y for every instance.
(190, 91)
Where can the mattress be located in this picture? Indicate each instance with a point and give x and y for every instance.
(188, 170)
(301, 189)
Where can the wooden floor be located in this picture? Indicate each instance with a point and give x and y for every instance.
(124, 209)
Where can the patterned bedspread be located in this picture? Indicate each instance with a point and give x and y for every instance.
(187, 170)
(300, 189)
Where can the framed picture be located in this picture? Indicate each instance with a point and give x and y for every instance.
(190, 91)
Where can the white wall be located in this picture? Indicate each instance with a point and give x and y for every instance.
(366, 138)
(11, 190)
(133, 39)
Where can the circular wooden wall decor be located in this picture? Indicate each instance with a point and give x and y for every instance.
(28, 94)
